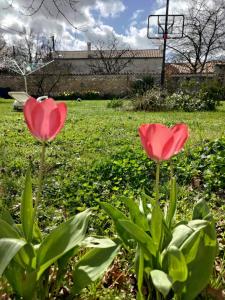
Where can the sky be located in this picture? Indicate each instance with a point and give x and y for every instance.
(96, 20)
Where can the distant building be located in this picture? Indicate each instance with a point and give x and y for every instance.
(211, 68)
(148, 61)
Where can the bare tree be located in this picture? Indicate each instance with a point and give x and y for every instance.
(54, 8)
(47, 79)
(108, 58)
(33, 48)
(4, 51)
(2, 43)
(204, 34)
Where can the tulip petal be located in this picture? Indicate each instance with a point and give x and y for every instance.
(54, 124)
(180, 133)
(154, 137)
(168, 152)
(44, 119)
(27, 110)
(37, 116)
(62, 110)
(161, 142)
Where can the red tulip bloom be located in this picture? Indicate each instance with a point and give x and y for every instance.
(44, 119)
(161, 142)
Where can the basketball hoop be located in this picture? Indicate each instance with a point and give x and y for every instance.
(157, 27)
(165, 27)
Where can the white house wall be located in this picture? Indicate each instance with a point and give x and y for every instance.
(137, 65)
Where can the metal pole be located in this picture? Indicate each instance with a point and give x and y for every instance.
(25, 83)
(164, 45)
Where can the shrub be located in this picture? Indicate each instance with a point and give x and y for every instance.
(115, 103)
(141, 86)
(214, 89)
(196, 101)
(152, 100)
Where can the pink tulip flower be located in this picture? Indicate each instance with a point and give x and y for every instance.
(44, 119)
(161, 142)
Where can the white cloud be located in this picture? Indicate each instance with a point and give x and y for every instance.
(92, 15)
(110, 8)
(136, 14)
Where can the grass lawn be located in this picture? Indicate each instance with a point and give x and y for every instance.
(94, 131)
(92, 136)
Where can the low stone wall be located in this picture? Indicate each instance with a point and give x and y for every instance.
(174, 81)
(108, 84)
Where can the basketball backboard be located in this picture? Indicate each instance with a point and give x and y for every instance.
(157, 27)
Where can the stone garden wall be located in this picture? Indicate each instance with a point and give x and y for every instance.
(54, 85)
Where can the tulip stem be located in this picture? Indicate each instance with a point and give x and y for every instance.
(40, 179)
(157, 182)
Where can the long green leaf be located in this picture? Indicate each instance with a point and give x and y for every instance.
(201, 267)
(173, 202)
(8, 231)
(92, 266)
(140, 274)
(137, 217)
(8, 249)
(190, 246)
(93, 242)
(157, 225)
(161, 281)
(22, 282)
(180, 234)
(140, 236)
(26, 254)
(61, 240)
(26, 210)
(5, 216)
(116, 214)
(201, 211)
(177, 267)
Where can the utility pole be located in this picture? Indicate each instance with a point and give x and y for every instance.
(165, 36)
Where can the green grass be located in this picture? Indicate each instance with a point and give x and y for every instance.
(94, 131)
(92, 135)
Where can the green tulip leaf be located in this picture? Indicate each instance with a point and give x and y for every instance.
(92, 266)
(201, 211)
(140, 236)
(8, 249)
(8, 231)
(157, 225)
(22, 282)
(5, 216)
(200, 268)
(161, 281)
(176, 264)
(26, 210)
(61, 240)
(116, 214)
(172, 203)
(136, 216)
(179, 235)
(93, 242)
(190, 246)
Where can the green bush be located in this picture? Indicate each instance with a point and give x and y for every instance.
(152, 100)
(115, 103)
(199, 101)
(141, 86)
(214, 89)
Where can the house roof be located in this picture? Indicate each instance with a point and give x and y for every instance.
(146, 53)
(182, 68)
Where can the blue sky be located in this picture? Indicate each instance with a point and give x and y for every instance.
(139, 9)
(125, 19)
